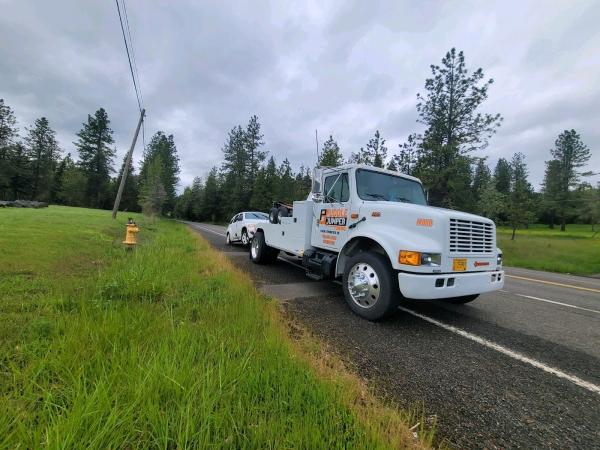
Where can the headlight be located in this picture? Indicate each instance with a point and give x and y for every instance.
(499, 259)
(431, 259)
(419, 259)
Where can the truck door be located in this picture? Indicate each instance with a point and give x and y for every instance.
(332, 215)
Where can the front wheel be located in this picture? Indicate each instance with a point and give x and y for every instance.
(369, 286)
(228, 239)
(260, 252)
(461, 300)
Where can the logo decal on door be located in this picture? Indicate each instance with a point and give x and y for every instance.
(333, 217)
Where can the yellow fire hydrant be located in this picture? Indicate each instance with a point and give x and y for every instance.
(132, 230)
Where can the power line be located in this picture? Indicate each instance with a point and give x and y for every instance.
(137, 94)
(137, 74)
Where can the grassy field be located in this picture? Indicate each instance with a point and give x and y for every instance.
(167, 346)
(576, 250)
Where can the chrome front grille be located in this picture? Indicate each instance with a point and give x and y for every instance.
(468, 236)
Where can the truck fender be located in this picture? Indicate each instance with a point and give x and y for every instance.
(387, 242)
(362, 242)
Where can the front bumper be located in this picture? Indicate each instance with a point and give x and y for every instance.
(434, 286)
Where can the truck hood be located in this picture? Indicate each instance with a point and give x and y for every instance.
(420, 211)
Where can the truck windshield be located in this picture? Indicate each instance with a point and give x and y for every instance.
(373, 186)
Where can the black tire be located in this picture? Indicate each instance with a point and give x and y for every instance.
(228, 239)
(273, 215)
(282, 212)
(461, 300)
(388, 293)
(245, 238)
(260, 252)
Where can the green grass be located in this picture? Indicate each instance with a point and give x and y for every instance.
(164, 347)
(576, 250)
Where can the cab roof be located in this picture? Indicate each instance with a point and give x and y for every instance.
(372, 169)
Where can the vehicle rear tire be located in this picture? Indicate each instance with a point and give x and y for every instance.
(282, 212)
(260, 252)
(461, 300)
(245, 237)
(370, 288)
(273, 215)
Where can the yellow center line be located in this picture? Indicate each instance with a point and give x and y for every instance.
(555, 284)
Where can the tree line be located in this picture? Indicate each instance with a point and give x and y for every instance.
(34, 167)
(446, 156)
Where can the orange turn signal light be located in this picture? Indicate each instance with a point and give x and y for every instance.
(410, 258)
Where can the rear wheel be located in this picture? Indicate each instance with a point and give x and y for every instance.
(369, 286)
(245, 238)
(282, 212)
(260, 252)
(273, 215)
(461, 300)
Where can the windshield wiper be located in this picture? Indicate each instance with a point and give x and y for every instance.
(378, 196)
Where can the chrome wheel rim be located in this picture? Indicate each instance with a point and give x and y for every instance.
(245, 238)
(363, 285)
(254, 249)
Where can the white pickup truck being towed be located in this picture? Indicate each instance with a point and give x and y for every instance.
(373, 228)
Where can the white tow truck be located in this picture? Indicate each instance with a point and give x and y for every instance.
(373, 228)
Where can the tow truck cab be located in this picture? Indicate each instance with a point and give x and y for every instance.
(373, 228)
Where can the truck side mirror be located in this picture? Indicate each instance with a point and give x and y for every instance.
(317, 197)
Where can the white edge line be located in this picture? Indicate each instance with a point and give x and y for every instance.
(556, 303)
(489, 344)
(209, 230)
(515, 355)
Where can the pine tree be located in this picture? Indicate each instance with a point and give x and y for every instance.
(252, 142)
(59, 178)
(481, 179)
(234, 169)
(96, 158)
(43, 152)
(331, 156)
(572, 154)
(551, 192)
(375, 153)
(519, 202)
(454, 127)
(266, 187)
(20, 172)
(196, 198)
(152, 191)
(73, 185)
(502, 176)
(8, 134)
(285, 191)
(211, 198)
(130, 196)
(163, 146)
(407, 158)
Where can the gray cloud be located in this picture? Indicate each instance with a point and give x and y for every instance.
(344, 68)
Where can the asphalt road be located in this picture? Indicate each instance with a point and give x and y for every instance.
(518, 368)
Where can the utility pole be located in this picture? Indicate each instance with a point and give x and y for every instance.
(126, 166)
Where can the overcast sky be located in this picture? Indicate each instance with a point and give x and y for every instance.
(345, 68)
